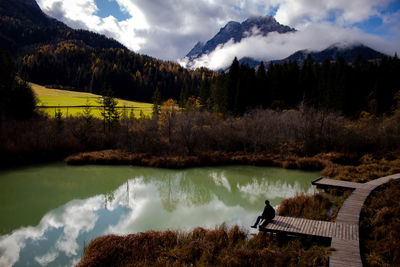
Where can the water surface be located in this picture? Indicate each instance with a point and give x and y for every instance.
(49, 212)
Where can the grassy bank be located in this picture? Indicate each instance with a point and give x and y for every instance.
(336, 165)
(202, 247)
(107, 157)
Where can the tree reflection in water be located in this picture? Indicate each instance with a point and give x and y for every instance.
(153, 199)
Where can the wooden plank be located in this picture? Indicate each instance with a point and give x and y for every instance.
(272, 225)
(328, 230)
(321, 229)
(281, 224)
(316, 226)
(326, 182)
(300, 226)
(307, 229)
(339, 231)
(289, 223)
(292, 222)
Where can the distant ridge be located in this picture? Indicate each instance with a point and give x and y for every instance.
(349, 53)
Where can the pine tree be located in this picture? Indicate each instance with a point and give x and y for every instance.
(261, 96)
(205, 91)
(109, 113)
(232, 84)
(156, 103)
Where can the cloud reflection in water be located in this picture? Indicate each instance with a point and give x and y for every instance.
(176, 200)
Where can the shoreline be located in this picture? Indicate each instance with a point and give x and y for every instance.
(119, 157)
(347, 167)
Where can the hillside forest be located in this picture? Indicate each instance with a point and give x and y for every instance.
(337, 86)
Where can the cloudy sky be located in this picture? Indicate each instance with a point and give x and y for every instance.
(168, 29)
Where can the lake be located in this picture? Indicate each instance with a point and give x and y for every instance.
(48, 213)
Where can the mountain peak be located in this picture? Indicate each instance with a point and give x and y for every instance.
(236, 31)
(232, 24)
(261, 20)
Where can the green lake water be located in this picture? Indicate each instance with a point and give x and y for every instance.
(48, 212)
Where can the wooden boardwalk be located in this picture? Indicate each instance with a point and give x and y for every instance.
(326, 182)
(344, 231)
(305, 227)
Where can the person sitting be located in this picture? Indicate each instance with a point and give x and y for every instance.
(268, 214)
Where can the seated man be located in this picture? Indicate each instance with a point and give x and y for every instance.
(268, 214)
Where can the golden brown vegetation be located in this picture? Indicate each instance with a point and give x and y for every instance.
(320, 206)
(201, 247)
(369, 168)
(303, 138)
(380, 226)
(203, 159)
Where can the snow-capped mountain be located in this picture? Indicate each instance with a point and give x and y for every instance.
(236, 31)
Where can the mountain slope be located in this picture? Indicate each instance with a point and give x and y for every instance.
(237, 31)
(23, 24)
(48, 52)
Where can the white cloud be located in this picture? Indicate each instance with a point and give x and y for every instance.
(74, 218)
(272, 190)
(313, 37)
(78, 217)
(302, 12)
(47, 258)
(168, 29)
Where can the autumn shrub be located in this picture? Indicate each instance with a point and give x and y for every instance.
(380, 226)
(297, 136)
(310, 164)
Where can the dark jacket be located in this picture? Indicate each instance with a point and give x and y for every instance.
(268, 212)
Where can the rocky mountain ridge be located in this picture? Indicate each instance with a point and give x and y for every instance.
(237, 31)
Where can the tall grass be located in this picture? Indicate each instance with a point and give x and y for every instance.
(320, 206)
(370, 167)
(201, 247)
(380, 226)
